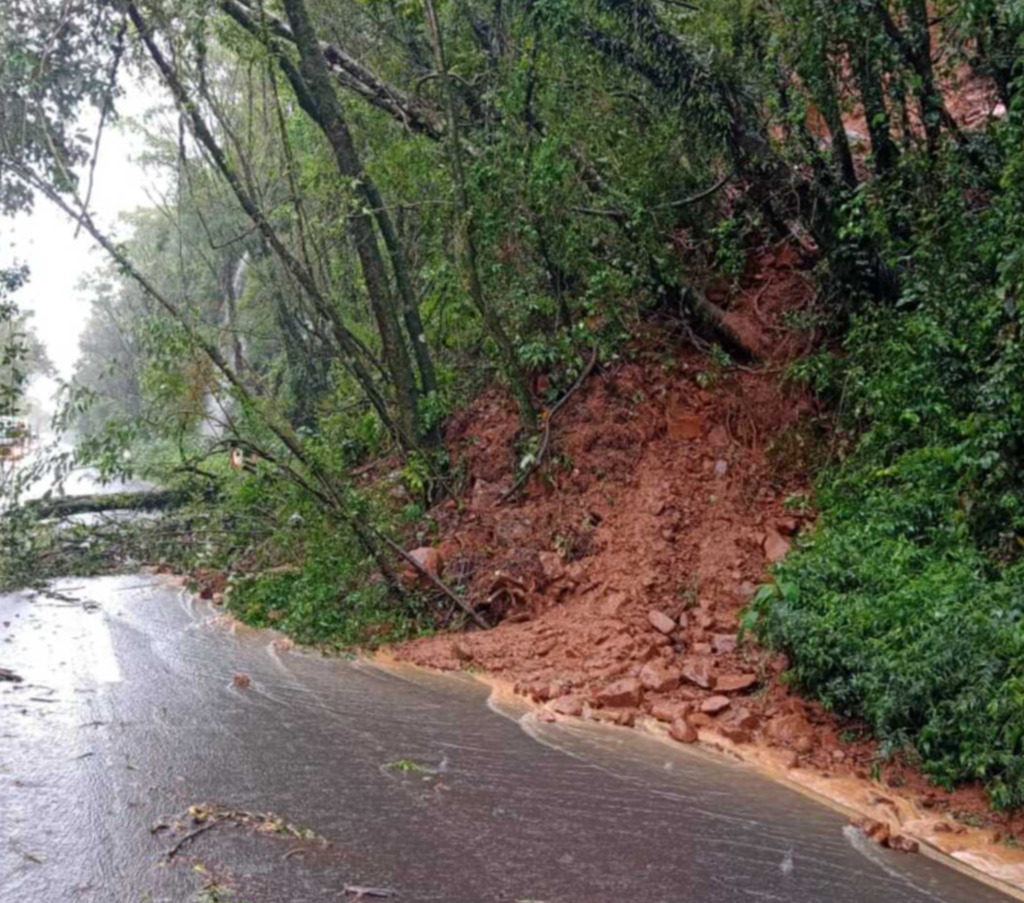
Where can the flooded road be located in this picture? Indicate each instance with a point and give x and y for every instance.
(129, 714)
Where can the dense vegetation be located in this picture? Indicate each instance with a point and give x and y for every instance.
(373, 208)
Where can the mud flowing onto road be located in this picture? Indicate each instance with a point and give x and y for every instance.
(137, 765)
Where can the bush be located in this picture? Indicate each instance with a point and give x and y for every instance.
(904, 607)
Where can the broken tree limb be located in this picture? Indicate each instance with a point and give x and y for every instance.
(476, 617)
(545, 443)
(192, 835)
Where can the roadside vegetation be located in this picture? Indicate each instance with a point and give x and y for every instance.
(372, 211)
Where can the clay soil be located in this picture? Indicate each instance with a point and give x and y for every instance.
(618, 575)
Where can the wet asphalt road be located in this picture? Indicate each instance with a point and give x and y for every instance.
(128, 716)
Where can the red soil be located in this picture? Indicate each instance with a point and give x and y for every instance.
(619, 575)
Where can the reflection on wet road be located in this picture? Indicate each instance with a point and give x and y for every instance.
(128, 715)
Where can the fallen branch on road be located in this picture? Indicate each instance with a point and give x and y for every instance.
(192, 835)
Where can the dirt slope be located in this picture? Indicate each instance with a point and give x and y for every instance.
(619, 576)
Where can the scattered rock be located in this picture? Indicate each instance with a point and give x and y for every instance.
(744, 718)
(718, 437)
(721, 468)
(787, 526)
(427, 558)
(791, 761)
(462, 652)
(552, 565)
(737, 735)
(568, 705)
(715, 704)
(683, 731)
(658, 678)
(734, 683)
(904, 844)
(668, 711)
(625, 692)
(875, 831)
(775, 546)
(661, 622)
(792, 730)
(804, 745)
(723, 643)
(485, 495)
(682, 426)
(619, 717)
(240, 680)
(698, 671)
(6, 674)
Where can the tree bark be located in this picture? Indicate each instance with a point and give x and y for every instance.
(492, 322)
(315, 93)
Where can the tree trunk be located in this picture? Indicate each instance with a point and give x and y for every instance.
(315, 93)
(883, 149)
(492, 322)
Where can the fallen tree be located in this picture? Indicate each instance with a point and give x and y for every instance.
(69, 506)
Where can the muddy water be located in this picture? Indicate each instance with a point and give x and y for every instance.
(128, 715)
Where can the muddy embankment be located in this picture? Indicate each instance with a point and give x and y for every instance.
(620, 576)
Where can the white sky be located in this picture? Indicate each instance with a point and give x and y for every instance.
(57, 260)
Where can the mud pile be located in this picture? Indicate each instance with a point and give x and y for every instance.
(620, 573)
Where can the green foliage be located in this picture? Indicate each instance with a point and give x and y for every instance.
(905, 607)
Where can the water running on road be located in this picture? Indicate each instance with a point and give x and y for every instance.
(129, 714)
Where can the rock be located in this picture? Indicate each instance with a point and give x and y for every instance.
(804, 745)
(875, 831)
(668, 711)
(723, 643)
(661, 622)
(715, 704)
(721, 468)
(552, 565)
(775, 546)
(568, 705)
(737, 735)
(698, 671)
(485, 495)
(744, 718)
(791, 761)
(462, 652)
(430, 560)
(620, 717)
(746, 590)
(734, 683)
(787, 526)
(613, 603)
(718, 437)
(682, 425)
(904, 844)
(683, 731)
(626, 692)
(240, 680)
(792, 730)
(699, 720)
(658, 678)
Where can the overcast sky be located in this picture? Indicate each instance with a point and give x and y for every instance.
(45, 240)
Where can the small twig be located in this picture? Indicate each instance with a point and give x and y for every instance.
(192, 835)
(546, 441)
